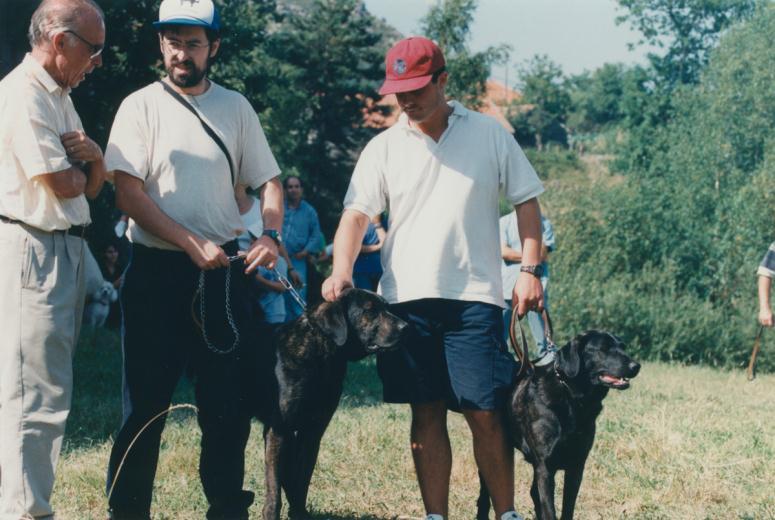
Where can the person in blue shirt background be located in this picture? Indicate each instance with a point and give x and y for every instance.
(511, 251)
(367, 269)
(301, 232)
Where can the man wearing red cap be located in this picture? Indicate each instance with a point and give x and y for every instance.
(440, 169)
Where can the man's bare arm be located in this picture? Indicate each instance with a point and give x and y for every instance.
(765, 310)
(132, 200)
(66, 184)
(347, 244)
(263, 251)
(528, 291)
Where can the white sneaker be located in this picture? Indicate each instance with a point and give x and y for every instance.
(511, 515)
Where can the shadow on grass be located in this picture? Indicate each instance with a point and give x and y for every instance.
(315, 515)
(96, 411)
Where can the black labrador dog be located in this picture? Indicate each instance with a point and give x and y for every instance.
(551, 416)
(298, 399)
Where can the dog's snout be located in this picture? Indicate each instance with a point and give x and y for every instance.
(634, 368)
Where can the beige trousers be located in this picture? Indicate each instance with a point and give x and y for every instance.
(41, 305)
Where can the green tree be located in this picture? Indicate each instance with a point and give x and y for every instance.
(596, 99)
(327, 60)
(545, 102)
(449, 24)
(686, 29)
(668, 256)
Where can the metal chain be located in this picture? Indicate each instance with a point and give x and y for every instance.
(229, 316)
(289, 287)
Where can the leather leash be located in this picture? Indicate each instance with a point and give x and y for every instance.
(521, 348)
(752, 363)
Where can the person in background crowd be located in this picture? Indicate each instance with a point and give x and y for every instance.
(112, 271)
(301, 236)
(48, 167)
(766, 273)
(511, 251)
(367, 269)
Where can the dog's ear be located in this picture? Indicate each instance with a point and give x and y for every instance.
(568, 358)
(330, 317)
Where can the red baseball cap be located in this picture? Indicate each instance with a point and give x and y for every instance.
(410, 64)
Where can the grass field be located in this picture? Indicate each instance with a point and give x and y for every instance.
(681, 443)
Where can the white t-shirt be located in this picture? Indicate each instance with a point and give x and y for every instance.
(443, 237)
(159, 141)
(34, 113)
(252, 224)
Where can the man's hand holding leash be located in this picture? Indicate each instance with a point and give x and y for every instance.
(205, 254)
(347, 245)
(263, 252)
(529, 293)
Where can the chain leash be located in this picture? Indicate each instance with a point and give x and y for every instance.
(229, 315)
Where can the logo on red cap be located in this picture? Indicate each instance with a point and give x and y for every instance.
(410, 64)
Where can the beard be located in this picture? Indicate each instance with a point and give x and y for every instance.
(190, 78)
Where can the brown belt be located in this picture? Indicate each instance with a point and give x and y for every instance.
(76, 231)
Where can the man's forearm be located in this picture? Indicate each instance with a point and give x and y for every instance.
(529, 223)
(66, 184)
(142, 209)
(95, 178)
(347, 242)
(765, 284)
(271, 194)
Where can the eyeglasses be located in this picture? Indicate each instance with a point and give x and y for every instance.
(192, 46)
(96, 50)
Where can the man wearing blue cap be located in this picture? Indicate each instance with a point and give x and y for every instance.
(178, 149)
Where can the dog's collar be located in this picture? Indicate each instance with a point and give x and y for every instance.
(576, 396)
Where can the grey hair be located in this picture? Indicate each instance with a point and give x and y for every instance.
(56, 16)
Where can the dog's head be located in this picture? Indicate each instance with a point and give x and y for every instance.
(359, 320)
(597, 359)
(106, 294)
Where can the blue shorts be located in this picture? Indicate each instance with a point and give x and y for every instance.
(454, 352)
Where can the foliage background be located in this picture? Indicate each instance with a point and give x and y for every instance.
(660, 176)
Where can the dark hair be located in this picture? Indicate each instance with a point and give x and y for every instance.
(436, 74)
(285, 181)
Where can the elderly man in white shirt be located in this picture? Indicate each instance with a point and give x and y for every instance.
(48, 166)
(440, 169)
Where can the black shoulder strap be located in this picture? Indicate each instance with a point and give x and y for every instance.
(206, 127)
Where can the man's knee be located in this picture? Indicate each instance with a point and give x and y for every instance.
(487, 423)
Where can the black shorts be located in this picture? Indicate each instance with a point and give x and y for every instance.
(454, 352)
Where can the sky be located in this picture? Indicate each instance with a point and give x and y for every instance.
(577, 34)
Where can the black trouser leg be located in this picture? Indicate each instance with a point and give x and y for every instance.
(155, 354)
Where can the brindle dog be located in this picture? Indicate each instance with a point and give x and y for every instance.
(551, 416)
(299, 398)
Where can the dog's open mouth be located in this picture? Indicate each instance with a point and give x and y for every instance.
(615, 382)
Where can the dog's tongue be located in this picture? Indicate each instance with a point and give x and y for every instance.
(613, 380)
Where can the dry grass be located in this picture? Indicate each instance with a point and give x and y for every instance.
(682, 443)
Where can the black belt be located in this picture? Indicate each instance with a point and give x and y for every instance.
(76, 231)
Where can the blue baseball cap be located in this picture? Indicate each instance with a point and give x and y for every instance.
(188, 12)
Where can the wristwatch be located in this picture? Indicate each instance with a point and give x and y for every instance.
(535, 270)
(274, 235)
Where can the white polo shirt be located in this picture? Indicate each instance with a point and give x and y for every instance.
(159, 141)
(34, 113)
(443, 237)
